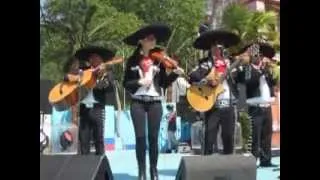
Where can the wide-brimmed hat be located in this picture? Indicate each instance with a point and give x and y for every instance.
(83, 54)
(225, 38)
(160, 31)
(265, 49)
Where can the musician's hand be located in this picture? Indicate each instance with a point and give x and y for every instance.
(145, 82)
(102, 69)
(213, 82)
(73, 78)
(178, 71)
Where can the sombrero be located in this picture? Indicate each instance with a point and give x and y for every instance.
(160, 31)
(225, 38)
(83, 54)
(265, 49)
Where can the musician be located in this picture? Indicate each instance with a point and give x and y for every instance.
(222, 114)
(92, 114)
(259, 83)
(144, 79)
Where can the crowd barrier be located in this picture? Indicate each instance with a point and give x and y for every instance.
(61, 121)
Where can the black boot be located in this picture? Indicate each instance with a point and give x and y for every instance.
(154, 173)
(153, 157)
(141, 157)
(142, 172)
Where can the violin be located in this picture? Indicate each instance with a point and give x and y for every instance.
(160, 56)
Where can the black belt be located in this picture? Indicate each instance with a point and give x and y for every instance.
(260, 105)
(224, 103)
(146, 98)
(95, 105)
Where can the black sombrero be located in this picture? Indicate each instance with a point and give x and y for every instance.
(265, 49)
(160, 31)
(83, 54)
(225, 38)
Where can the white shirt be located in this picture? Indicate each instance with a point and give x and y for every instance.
(265, 97)
(89, 100)
(144, 90)
(226, 94)
(179, 88)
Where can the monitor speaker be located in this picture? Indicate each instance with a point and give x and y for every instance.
(217, 167)
(66, 167)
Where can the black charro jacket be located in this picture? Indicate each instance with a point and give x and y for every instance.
(131, 76)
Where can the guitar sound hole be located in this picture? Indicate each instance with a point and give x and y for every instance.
(206, 97)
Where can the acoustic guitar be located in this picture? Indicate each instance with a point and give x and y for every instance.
(203, 97)
(66, 94)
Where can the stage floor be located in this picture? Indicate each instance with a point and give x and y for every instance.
(124, 166)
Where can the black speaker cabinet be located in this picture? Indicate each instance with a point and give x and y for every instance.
(217, 167)
(74, 167)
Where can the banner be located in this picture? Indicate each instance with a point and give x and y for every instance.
(276, 122)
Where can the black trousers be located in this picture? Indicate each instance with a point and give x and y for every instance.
(261, 133)
(214, 118)
(152, 113)
(92, 125)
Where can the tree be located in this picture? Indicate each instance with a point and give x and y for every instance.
(183, 17)
(72, 24)
(251, 25)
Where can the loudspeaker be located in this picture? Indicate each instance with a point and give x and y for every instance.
(68, 167)
(217, 167)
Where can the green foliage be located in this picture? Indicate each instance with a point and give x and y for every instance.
(71, 24)
(251, 25)
(183, 17)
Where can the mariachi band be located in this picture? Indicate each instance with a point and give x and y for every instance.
(149, 70)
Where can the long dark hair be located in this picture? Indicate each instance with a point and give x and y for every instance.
(135, 57)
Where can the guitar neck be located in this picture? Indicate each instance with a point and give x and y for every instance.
(114, 61)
